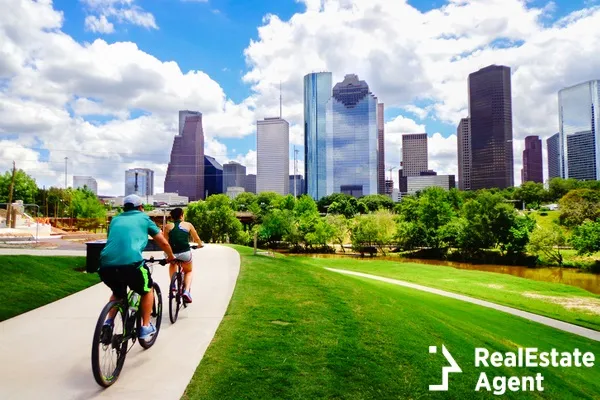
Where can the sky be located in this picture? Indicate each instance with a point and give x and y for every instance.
(100, 82)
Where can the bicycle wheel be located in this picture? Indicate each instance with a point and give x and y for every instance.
(175, 297)
(109, 341)
(155, 317)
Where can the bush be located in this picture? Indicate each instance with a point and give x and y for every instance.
(543, 214)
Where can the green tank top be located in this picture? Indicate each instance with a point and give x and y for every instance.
(179, 238)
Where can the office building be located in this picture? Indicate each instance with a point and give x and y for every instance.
(299, 188)
(183, 114)
(490, 111)
(250, 183)
(273, 156)
(463, 141)
(533, 170)
(213, 176)
(234, 175)
(317, 92)
(352, 137)
(381, 188)
(410, 185)
(389, 187)
(554, 161)
(185, 172)
(80, 182)
(579, 115)
(234, 191)
(414, 154)
(139, 181)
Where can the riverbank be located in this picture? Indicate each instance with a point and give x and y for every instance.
(297, 331)
(554, 300)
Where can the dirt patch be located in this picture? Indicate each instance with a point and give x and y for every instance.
(586, 304)
(494, 286)
(277, 322)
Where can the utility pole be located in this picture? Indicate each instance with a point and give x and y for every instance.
(10, 198)
(280, 102)
(66, 159)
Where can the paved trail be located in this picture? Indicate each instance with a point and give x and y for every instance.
(46, 353)
(563, 326)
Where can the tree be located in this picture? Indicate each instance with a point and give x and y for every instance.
(244, 201)
(197, 214)
(85, 204)
(586, 238)
(305, 204)
(579, 205)
(376, 229)
(347, 207)
(341, 229)
(326, 201)
(375, 202)
(25, 187)
(275, 226)
(559, 187)
(547, 242)
(532, 193)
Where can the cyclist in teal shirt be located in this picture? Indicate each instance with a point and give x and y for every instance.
(121, 261)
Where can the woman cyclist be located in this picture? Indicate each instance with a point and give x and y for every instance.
(179, 234)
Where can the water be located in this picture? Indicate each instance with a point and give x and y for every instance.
(567, 276)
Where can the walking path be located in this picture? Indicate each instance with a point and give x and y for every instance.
(46, 353)
(563, 326)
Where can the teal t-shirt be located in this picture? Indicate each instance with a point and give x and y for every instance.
(127, 238)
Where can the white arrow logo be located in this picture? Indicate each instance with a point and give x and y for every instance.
(445, 370)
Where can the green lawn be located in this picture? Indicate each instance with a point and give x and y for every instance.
(297, 331)
(563, 302)
(30, 282)
(546, 221)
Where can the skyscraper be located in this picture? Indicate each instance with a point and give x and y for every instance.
(490, 110)
(185, 173)
(317, 92)
(533, 170)
(579, 115)
(553, 143)
(351, 143)
(213, 176)
(273, 156)
(297, 180)
(381, 183)
(414, 154)
(183, 114)
(85, 181)
(139, 181)
(250, 183)
(234, 175)
(463, 141)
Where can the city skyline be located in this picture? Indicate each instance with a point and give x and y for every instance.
(124, 115)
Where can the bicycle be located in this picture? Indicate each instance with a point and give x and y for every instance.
(128, 316)
(176, 296)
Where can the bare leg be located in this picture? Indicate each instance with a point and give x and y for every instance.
(172, 270)
(147, 303)
(187, 277)
(113, 311)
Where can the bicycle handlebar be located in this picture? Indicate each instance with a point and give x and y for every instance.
(151, 260)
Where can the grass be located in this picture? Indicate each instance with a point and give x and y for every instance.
(544, 298)
(297, 331)
(548, 221)
(29, 282)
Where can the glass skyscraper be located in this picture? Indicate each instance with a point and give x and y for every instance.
(490, 110)
(317, 92)
(139, 181)
(351, 140)
(553, 143)
(579, 112)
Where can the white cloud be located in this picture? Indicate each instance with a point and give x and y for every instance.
(122, 11)
(407, 56)
(98, 24)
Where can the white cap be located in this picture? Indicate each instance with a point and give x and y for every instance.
(133, 199)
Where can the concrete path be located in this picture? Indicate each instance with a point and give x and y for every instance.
(563, 326)
(46, 353)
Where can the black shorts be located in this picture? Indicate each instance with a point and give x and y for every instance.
(119, 278)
